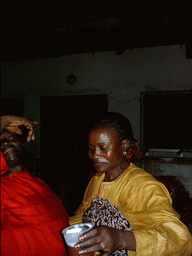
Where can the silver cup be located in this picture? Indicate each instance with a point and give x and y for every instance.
(72, 233)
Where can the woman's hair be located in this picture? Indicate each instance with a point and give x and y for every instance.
(121, 125)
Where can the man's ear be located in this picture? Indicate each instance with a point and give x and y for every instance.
(125, 144)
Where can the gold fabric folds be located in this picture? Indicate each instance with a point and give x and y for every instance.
(146, 204)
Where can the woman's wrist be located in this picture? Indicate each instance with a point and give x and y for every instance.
(128, 241)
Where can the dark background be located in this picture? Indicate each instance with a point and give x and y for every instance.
(31, 31)
(166, 125)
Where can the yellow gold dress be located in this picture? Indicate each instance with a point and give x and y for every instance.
(146, 204)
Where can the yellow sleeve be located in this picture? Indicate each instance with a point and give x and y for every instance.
(157, 228)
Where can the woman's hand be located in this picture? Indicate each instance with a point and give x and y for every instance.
(12, 123)
(105, 240)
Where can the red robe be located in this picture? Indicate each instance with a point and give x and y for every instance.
(32, 217)
(3, 164)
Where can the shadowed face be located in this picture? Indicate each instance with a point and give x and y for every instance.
(11, 147)
(105, 150)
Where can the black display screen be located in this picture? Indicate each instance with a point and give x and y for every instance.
(166, 120)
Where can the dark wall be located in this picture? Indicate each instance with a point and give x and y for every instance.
(64, 128)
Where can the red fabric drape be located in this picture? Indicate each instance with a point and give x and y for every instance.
(3, 164)
(32, 217)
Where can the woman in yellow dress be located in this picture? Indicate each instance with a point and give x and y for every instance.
(130, 210)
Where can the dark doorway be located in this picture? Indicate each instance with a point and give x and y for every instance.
(64, 126)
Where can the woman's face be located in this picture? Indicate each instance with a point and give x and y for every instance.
(105, 150)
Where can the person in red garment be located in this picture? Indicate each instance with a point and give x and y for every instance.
(32, 216)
